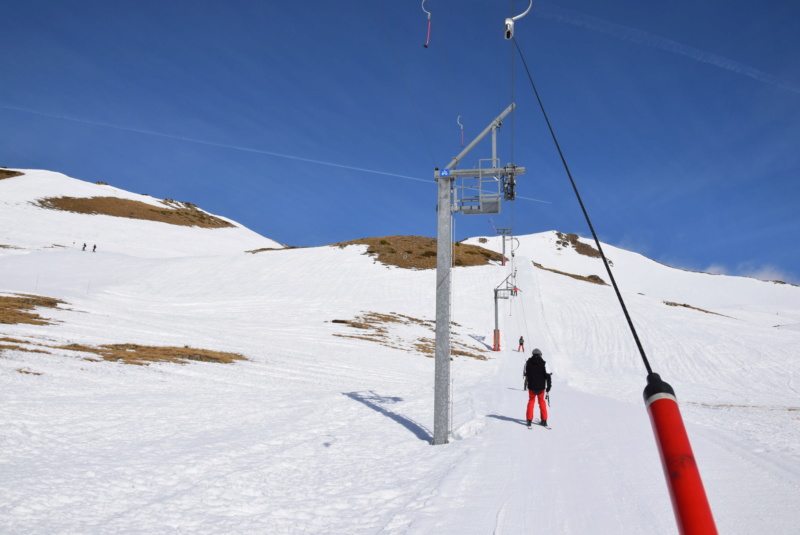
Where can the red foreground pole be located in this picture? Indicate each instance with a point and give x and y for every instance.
(496, 346)
(689, 501)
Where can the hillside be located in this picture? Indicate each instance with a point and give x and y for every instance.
(46, 210)
(293, 388)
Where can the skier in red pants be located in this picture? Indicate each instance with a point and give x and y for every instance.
(537, 381)
(521, 344)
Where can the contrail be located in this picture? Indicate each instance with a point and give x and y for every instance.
(211, 143)
(226, 146)
(534, 200)
(647, 39)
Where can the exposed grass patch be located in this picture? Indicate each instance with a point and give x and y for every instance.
(595, 279)
(419, 252)
(8, 173)
(28, 372)
(375, 327)
(13, 344)
(17, 308)
(684, 305)
(377, 323)
(796, 325)
(572, 240)
(175, 213)
(780, 282)
(426, 346)
(12, 340)
(254, 251)
(144, 355)
(15, 347)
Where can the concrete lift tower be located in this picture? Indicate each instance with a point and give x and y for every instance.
(479, 191)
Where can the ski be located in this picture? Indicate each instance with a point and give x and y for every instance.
(539, 423)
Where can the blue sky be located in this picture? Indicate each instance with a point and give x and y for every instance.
(318, 122)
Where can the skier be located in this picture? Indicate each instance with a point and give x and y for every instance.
(94, 248)
(537, 381)
(84, 247)
(521, 344)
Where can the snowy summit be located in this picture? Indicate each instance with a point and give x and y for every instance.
(183, 374)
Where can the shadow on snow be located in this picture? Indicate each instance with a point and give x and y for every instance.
(376, 402)
(481, 339)
(507, 419)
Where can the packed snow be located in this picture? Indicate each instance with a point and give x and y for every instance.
(325, 430)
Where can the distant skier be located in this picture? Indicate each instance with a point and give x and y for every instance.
(521, 344)
(537, 381)
(84, 246)
(94, 248)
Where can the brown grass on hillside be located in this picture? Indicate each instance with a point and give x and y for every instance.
(684, 305)
(779, 282)
(572, 240)
(375, 327)
(591, 278)
(7, 343)
(419, 252)
(265, 249)
(27, 372)
(17, 308)
(175, 213)
(14, 347)
(144, 355)
(12, 340)
(8, 173)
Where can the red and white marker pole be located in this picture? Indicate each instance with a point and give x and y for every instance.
(689, 501)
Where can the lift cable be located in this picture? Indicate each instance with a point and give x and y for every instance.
(586, 214)
(512, 100)
(521, 305)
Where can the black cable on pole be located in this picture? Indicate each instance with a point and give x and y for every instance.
(586, 215)
(511, 50)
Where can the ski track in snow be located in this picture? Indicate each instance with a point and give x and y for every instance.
(317, 433)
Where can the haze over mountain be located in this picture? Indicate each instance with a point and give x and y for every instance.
(193, 376)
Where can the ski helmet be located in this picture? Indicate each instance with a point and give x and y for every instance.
(537, 352)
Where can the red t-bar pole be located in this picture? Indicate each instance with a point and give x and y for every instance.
(689, 501)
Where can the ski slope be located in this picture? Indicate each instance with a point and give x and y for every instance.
(319, 432)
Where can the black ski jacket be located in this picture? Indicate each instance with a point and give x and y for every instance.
(536, 374)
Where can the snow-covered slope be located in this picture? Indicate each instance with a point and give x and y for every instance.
(707, 330)
(26, 225)
(325, 428)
